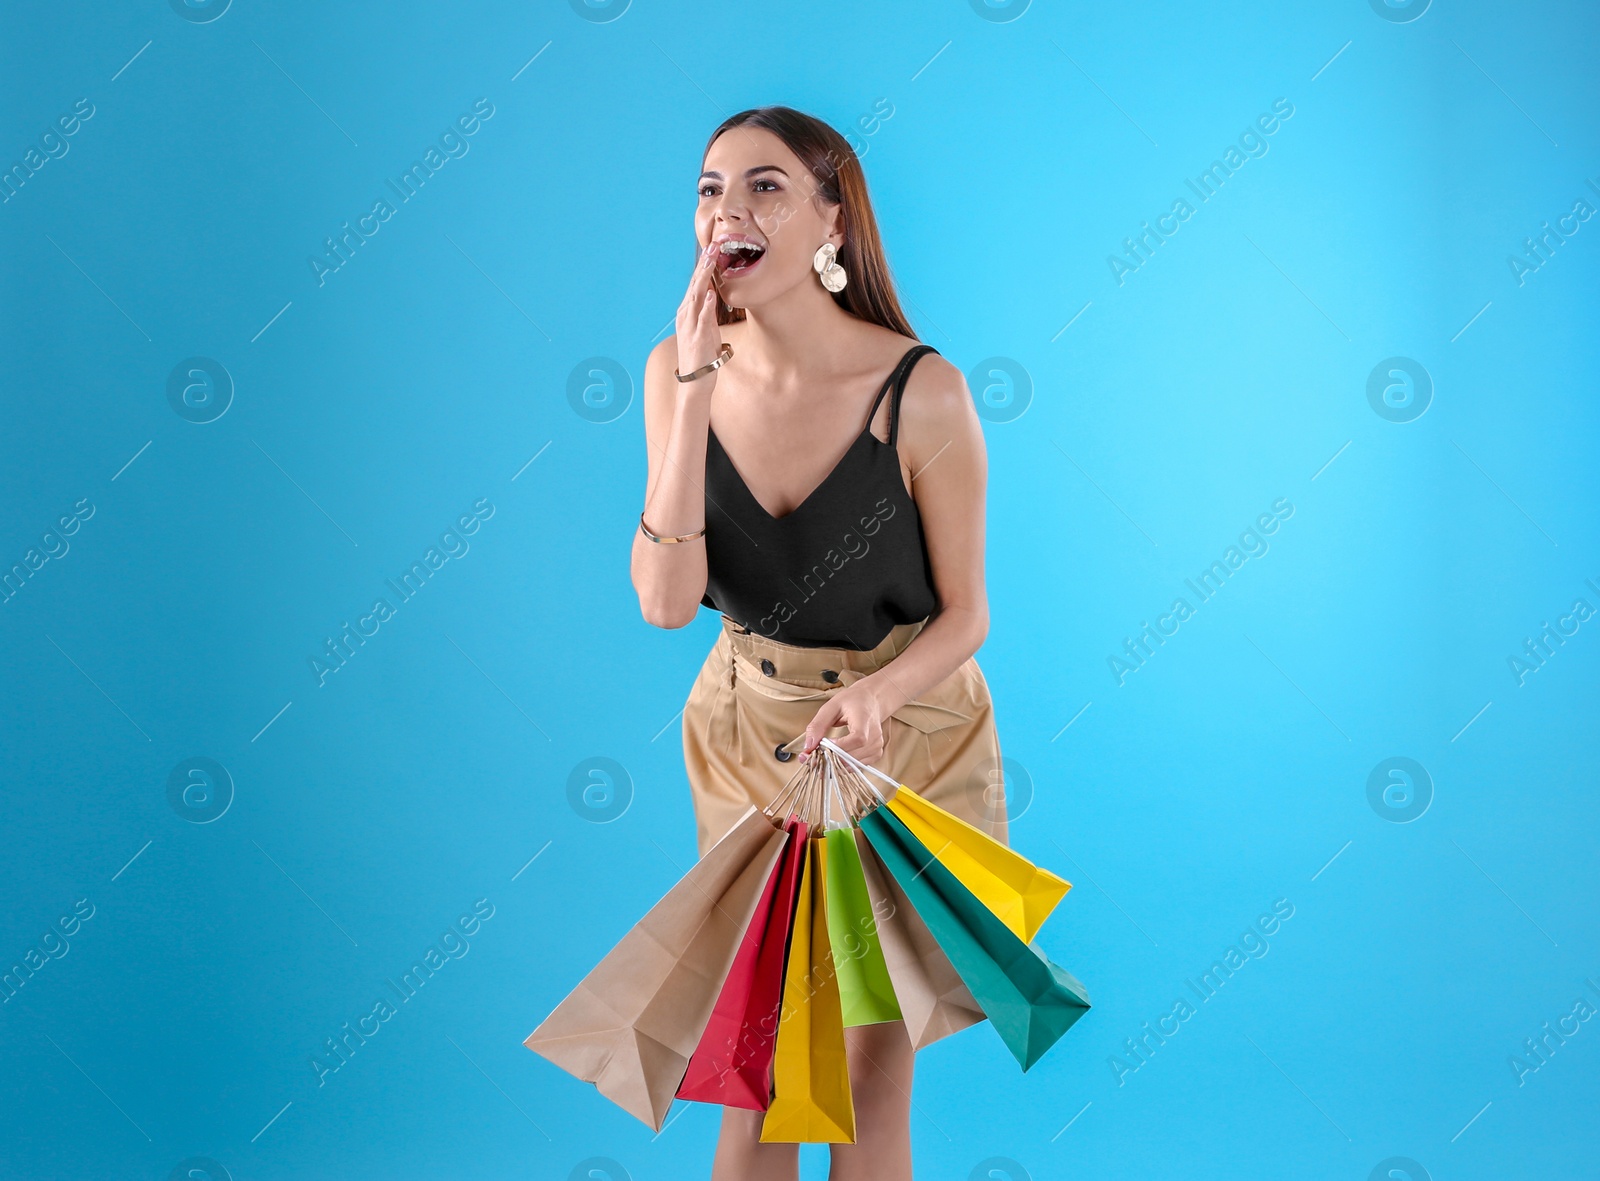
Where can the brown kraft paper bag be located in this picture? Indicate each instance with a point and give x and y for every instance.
(631, 1024)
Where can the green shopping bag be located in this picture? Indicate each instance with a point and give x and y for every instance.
(1030, 1001)
(865, 993)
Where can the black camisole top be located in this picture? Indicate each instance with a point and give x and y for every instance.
(847, 565)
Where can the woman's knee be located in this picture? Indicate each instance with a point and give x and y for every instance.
(741, 1156)
(741, 1125)
(881, 1064)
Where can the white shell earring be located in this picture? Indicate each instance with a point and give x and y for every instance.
(830, 272)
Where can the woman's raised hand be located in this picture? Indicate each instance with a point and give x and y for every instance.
(699, 335)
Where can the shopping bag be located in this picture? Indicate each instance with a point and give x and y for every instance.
(1020, 893)
(631, 1024)
(810, 1074)
(732, 1065)
(1030, 1001)
(932, 999)
(866, 995)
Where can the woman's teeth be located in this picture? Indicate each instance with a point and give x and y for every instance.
(739, 255)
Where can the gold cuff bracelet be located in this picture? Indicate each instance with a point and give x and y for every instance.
(645, 529)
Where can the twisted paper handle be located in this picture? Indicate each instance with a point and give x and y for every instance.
(857, 765)
(831, 791)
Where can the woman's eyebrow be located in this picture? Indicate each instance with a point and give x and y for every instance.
(748, 172)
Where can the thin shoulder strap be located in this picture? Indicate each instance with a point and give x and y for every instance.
(910, 360)
(897, 377)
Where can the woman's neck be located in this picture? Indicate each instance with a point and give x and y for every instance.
(797, 338)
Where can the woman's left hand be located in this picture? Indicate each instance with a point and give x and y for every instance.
(862, 711)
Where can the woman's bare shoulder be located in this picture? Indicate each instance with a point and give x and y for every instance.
(884, 343)
(936, 390)
(937, 412)
(664, 353)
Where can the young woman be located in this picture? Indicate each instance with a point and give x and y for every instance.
(817, 476)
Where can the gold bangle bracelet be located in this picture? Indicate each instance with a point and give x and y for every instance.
(722, 358)
(660, 540)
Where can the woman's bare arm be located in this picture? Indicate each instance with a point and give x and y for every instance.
(671, 578)
(941, 441)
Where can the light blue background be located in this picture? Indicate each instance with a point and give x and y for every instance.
(373, 410)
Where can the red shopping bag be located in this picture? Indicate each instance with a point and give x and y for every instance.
(732, 1065)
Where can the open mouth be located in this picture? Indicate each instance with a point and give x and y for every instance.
(739, 256)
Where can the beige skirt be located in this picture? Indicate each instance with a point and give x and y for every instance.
(747, 713)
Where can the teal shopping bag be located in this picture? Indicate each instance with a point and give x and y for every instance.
(1030, 1001)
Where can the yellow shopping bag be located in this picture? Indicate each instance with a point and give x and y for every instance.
(811, 1078)
(1020, 894)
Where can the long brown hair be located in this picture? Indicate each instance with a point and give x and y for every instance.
(870, 294)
